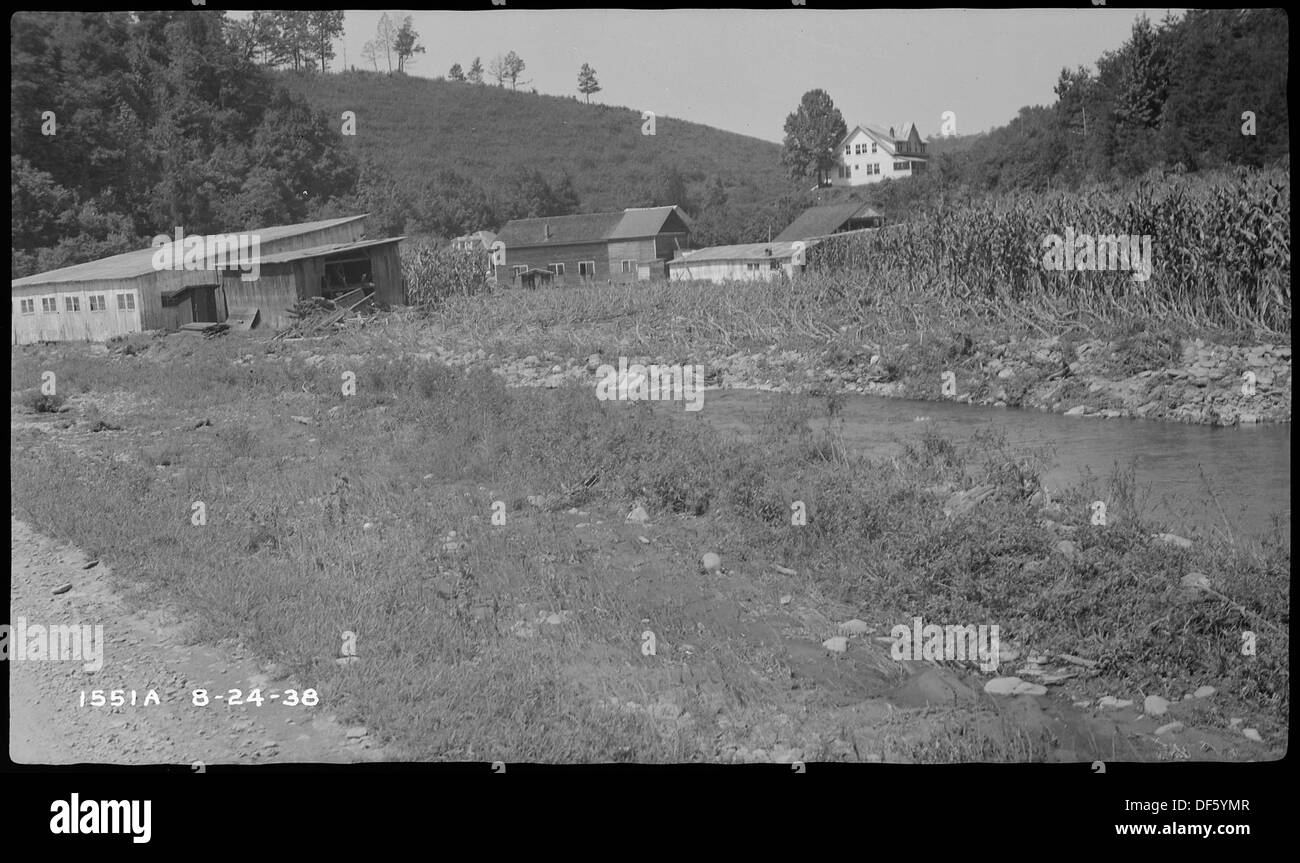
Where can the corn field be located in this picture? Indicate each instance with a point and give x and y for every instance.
(432, 274)
(1220, 252)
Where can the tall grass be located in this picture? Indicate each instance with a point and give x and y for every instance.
(359, 521)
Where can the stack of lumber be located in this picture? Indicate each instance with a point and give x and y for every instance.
(322, 315)
(207, 328)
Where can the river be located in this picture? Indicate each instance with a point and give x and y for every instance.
(1248, 468)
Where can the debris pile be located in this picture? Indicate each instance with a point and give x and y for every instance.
(316, 316)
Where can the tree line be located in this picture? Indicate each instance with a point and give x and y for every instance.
(1201, 91)
(124, 123)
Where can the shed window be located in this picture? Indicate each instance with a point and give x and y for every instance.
(518, 271)
(629, 266)
(27, 306)
(49, 305)
(126, 302)
(97, 303)
(72, 304)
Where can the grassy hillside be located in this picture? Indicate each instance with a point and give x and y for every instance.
(415, 127)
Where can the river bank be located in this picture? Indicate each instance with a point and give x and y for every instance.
(1198, 382)
(501, 552)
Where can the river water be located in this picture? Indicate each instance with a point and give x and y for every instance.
(1248, 468)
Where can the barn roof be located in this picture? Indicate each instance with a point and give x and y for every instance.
(647, 221)
(322, 251)
(129, 265)
(824, 221)
(740, 252)
(592, 227)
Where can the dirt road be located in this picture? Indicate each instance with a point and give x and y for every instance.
(146, 652)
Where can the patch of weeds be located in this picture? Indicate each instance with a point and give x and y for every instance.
(1145, 351)
(43, 403)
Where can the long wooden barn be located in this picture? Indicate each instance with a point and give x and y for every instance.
(131, 292)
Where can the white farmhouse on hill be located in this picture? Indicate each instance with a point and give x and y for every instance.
(869, 154)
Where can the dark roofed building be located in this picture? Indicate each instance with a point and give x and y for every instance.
(624, 246)
(830, 219)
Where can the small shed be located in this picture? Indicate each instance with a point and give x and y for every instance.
(327, 271)
(745, 262)
(534, 277)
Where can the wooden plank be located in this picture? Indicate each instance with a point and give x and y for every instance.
(242, 317)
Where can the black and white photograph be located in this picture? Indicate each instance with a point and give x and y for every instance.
(784, 388)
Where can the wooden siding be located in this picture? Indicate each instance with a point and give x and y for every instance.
(386, 271)
(177, 310)
(281, 285)
(274, 293)
(629, 250)
(570, 255)
(666, 246)
(607, 255)
(63, 325)
(725, 271)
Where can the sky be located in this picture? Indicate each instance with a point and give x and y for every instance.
(745, 70)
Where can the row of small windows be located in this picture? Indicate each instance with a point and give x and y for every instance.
(753, 266)
(586, 269)
(97, 302)
(858, 149)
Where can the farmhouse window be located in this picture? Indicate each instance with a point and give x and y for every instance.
(28, 306)
(126, 302)
(72, 304)
(49, 305)
(752, 266)
(97, 303)
(586, 269)
(557, 269)
(518, 271)
(873, 146)
(848, 151)
(901, 166)
(629, 266)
